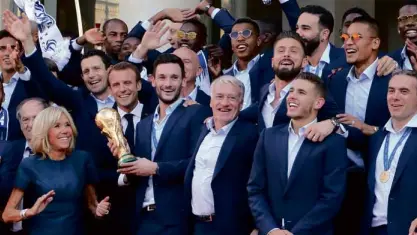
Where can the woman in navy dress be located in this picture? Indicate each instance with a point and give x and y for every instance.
(57, 180)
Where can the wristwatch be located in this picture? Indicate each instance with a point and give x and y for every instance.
(207, 8)
(376, 128)
(23, 214)
(335, 123)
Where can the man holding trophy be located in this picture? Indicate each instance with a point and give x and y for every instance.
(164, 144)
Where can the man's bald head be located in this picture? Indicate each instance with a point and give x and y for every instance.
(191, 63)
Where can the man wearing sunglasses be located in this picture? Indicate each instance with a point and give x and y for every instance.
(407, 28)
(360, 93)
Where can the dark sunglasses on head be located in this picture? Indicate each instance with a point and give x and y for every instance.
(245, 34)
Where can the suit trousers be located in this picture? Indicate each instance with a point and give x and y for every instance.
(204, 228)
(150, 225)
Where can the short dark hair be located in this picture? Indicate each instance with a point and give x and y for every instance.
(246, 20)
(354, 10)
(5, 34)
(316, 80)
(106, 60)
(43, 102)
(200, 26)
(169, 59)
(51, 65)
(326, 19)
(292, 35)
(371, 22)
(116, 20)
(125, 66)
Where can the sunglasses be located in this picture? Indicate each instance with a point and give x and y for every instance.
(245, 34)
(407, 19)
(189, 36)
(355, 37)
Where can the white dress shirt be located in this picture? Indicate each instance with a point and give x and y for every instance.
(202, 200)
(407, 64)
(268, 111)
(357, 94)
(324, 60)
(11, 85)
(382, 190)
(137, 115)
(192, 95)
(294, 143)
(107, 103)
(244, 77)
(158, 127)
(18, 225)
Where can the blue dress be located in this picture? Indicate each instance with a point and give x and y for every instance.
(69, 178)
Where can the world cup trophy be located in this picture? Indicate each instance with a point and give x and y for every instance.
(108, 120)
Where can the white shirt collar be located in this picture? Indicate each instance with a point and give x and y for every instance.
(412, 123)
(109, 99)
(250, 65)
(13, 79)
(326, 54)
(302, 130)
(193, 94)
(369, 72)
(137, 111)
(272, 88)
(224, 130)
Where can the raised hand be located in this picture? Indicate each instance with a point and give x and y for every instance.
(94, 36)
(41, 204)
(152, 38)
(179, 15)
(19, 28)
(201, 7)
(103, 208)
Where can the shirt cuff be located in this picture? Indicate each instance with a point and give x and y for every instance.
(146, 24)
(75, 45)
(134, 60)
(342, 131)
(272, 230)
(25, 76)
(30, 54)
(120, 181)
(283, 1)
(214, 13)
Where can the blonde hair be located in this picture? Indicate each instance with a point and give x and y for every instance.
(43, 122)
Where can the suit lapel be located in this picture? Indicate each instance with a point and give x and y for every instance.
(91, 105)
(281, 115)
(171, 122)
(377, 96)
(254, 81)
(191, 166)
(407, 152)
(306, 147)
(281, 151)
(18, 94)
(227, 148)
(147, 135)
(375, 145)
(338, 85)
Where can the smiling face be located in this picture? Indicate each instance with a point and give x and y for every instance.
(124, 88)
(245, 48)
(167, 82)
(95, 75)
(28, 113)
(226, 102)
(402, 97)
(407, 23)
(194, 44)
(303, 100)
(5, 59)
(308, 27)
(60, 135)
(289, 58)
(359, 50)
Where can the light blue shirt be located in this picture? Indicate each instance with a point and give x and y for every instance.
(107, 103)
(157, 128)
(11, 85)
(243, 76)
(324, 60)
(407, 63)
(357, 94)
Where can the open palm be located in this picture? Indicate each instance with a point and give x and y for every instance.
(42, 202)
(19, 28)
(153, 36)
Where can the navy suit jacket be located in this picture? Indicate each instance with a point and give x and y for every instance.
(175, 148)
(337, 60)
(230, 178)
(403, 190)
(396, 55)
(202, 98)
(254, 112)
(311, 197)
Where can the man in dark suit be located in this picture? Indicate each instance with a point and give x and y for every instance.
(192, 69)
(392, 151)
(11, 157)
(216, 179)
(360, 93)
(296, 185)
(164, 145)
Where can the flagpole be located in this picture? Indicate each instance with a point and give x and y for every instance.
(79, 19)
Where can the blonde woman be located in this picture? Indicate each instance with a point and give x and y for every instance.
(58, 176)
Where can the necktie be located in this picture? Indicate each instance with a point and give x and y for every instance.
(130, 131)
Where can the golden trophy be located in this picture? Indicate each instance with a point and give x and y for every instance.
(108, 120)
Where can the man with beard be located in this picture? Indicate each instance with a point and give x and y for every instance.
(164, 145)
(407, 28)
(296, 185)
(315, 26)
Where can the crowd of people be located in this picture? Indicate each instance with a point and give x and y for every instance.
(296, 136)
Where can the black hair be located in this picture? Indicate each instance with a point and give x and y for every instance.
(248, 21)
(51, 65)
(5, 34)
(116, 20)
(354, 10)
(126, 66)
(106, 60)
(200, 26)
(169, 59)
(371, 22)
(326, 19)
(316, 80)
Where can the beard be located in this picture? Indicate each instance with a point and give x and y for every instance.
(286, 74)
(311, 45)
(172, 100)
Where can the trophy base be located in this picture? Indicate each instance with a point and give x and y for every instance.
(126, 158)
